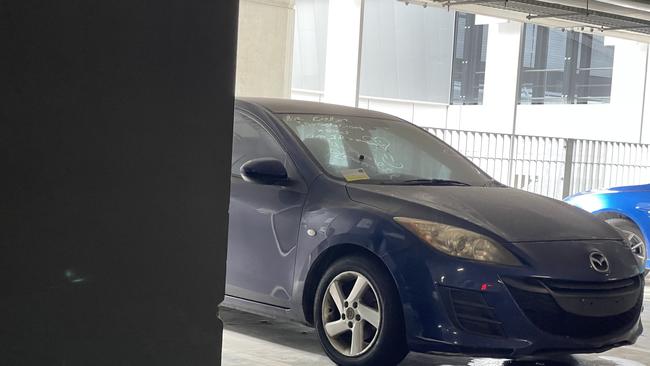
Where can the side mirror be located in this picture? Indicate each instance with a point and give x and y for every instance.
(266, 171)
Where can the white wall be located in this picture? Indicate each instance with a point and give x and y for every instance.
(423, 114)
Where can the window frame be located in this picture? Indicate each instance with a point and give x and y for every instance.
(325, 172)
(578, 47)
(467, 79)
(292, 168)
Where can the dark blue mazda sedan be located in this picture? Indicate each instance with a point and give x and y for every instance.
(387, 240)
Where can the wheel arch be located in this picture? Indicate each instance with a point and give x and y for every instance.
(322, 263)
(615, 214)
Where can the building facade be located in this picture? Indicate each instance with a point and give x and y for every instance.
(446, 69)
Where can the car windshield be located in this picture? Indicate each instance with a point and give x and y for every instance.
(371, 150)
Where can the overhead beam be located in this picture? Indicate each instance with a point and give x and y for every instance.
(449, 3)
(557, 15)
(473, 2)
(602, 29)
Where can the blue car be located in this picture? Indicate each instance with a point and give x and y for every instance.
(387, 240)
(626, 208)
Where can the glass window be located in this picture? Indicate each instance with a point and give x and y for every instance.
(310, 45)
(251, 141)
(594, 69)
(406, 51)
(324, 140)
(388, 151)
(564, 67)
(468, 70)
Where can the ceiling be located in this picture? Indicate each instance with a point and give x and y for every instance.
(620, 18)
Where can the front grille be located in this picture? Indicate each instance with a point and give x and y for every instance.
(579, 309)
(473, 314)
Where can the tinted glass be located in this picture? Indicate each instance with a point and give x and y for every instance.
(386, 151)
(418, 69)
(470, 51)
(251, 141)
(565, 67)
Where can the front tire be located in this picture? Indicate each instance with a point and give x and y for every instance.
(358, 314)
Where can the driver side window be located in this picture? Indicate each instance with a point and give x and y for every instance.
(252, 141)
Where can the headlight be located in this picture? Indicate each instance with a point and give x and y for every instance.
(459, 242)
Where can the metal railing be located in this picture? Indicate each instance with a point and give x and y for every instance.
(550, 166)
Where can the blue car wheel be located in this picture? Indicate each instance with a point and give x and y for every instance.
(633, 235)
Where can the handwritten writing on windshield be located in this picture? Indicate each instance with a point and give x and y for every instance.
(340, 134)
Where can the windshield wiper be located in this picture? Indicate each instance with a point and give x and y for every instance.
(432, 182)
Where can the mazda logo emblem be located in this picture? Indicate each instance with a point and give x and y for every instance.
(599, 262)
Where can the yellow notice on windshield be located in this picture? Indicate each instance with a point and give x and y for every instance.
(352, 175)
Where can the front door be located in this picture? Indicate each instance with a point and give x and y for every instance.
(264, 220)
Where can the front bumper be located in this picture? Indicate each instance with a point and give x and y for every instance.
(480, 310)
(516, 329)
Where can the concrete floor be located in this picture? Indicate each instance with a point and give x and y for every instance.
(253, 340)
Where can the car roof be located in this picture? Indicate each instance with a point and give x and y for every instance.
(282, 106)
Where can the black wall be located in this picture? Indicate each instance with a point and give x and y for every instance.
(115, 143)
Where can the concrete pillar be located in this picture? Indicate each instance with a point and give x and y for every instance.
(265, 48)
(342, 60)
(115, 132)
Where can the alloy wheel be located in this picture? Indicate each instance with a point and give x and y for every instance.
(637, 245)
(351, 314)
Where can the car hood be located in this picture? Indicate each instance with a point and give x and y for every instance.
(512, 214)
(639, 188)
